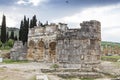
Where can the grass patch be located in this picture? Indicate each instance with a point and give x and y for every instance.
(54, 66)
(2, 69)
(15, 69)
(79, 79)
(5, 48)
(87, 79)
(110, 58)
(117, 64)
(4, 78)
(33, 78)
(9, 61)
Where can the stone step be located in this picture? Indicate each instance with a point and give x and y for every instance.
(79, 75)
(66, 70)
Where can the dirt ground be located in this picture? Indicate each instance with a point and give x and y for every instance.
(27, 71)
(21, 71)
(112, 68)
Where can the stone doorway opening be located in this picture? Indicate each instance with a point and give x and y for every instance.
(31, 44)
(52, 51)
(41, 50)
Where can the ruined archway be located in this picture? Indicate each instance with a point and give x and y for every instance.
(52, 51)
(41, 50)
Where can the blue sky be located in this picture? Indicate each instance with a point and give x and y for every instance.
(72, 12)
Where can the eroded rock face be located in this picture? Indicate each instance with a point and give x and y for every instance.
(73, 48)
(19, 51)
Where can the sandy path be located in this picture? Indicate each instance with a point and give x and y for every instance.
(22, 71)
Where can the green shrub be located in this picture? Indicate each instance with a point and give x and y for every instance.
(7, 47)
(10, 43)
(0, 43)
(55, 66)
(1, 48)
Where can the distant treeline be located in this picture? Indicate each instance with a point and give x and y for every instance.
(109, 44)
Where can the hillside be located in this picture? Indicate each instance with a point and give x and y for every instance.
(112, 44)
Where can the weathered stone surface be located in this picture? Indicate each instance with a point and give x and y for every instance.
(79, 75)
(41, 77)
(18, 52)
(72, 48)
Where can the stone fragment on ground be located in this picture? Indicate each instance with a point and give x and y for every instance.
(41, 77)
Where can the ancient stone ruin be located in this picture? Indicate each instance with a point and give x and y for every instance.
(110, 50)
(18, 52)
(72, 48)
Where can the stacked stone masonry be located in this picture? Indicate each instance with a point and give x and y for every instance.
(73, 48)
(18, 52)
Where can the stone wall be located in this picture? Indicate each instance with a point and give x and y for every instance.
(44, 39)
(18, 52)
(76, 48)
(73, 48)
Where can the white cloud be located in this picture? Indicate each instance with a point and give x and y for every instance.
(36, 2)
(21, 2)
(11, 20)
(33, 2)
(13, 15)
(111, 35)
(104, 14)
(109, 16)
